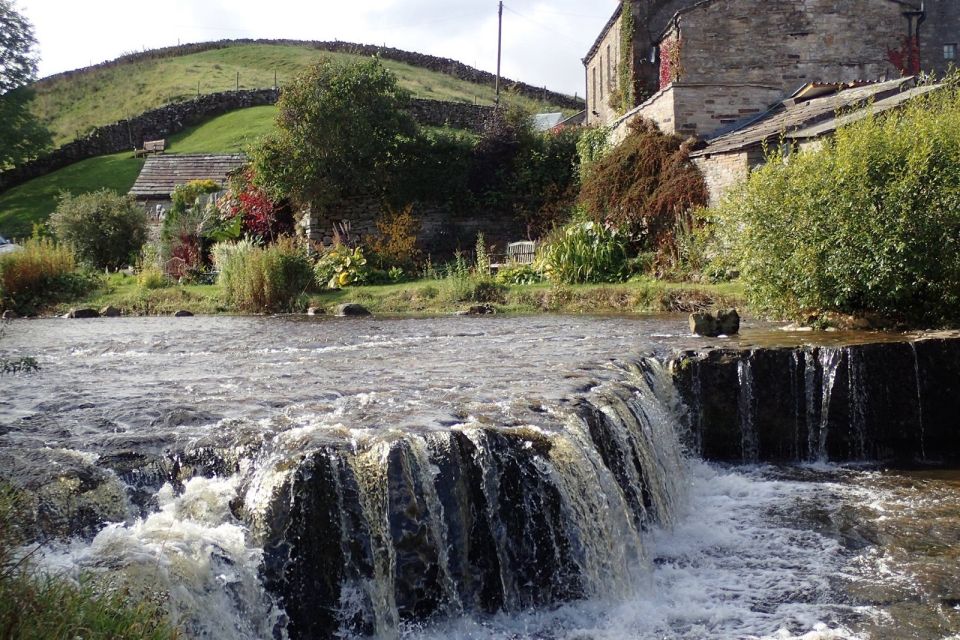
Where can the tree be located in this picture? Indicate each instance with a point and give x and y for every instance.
(340, 130)
(105, 229)
(21, 135)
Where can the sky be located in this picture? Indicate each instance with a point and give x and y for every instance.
(543, 42)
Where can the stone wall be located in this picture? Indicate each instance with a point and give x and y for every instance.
(432, 63)
(603, 76)
(174, 118)
(442, 230)
(704, 109)
(785, 43)
(941, 27)
(659, 109)
(726, 170)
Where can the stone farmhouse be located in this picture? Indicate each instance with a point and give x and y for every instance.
(707, 68)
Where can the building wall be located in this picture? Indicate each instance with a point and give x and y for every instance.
(704, 109)
(790, 42)
(603, 71)
(941, 27)
(725, 170)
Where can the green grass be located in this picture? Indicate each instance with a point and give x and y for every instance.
(34, 201)
(73, 106)
(430, 296)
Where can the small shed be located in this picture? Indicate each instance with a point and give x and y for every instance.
(163, 173)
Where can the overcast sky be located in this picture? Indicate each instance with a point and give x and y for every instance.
(543, 41)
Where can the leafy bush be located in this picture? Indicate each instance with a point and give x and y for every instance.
(870, 223)
(593, 145)
(585, 252)
(254, 210)
(395, 244)
(264, 279)
(185, 196)
(643, 185)
(518, 274)
(341, 266)
(105, 229)
(191, 227)
(152, 278)
(42, 272)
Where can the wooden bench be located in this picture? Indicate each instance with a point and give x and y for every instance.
(517, 253)
(150, 146)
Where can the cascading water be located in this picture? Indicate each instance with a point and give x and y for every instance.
(351, 480)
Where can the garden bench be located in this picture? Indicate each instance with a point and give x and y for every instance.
(517, 253)
(150, 146)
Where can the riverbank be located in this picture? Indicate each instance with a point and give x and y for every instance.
(429, 296)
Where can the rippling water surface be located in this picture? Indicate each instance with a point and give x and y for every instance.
(759, 552)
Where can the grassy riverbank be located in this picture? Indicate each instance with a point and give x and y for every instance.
(431, 296)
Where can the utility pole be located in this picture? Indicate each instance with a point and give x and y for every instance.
(499, 50)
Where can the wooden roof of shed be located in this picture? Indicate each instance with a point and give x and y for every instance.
(162, 173)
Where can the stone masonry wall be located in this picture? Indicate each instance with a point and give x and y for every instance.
(603, 77)
(174, 118)
(701, 110)
(725, 170)
(442, 230)
(941, 27)
(787, 43)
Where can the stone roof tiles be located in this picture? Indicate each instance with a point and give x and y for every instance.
(162, 173)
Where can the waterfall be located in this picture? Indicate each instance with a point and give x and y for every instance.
(746, 408)
(916, 377)
(829, 364)
(857, 394)
(409, 526)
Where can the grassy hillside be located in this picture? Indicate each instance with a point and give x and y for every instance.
(72, 106)
(34, 201)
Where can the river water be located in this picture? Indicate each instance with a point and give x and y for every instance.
(813, 551)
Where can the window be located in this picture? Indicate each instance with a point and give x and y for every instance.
(950, 52)
(594, 92)
(601, 75)
(609, 67)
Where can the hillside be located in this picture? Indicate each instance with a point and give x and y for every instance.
(72, 104)
(32, 202)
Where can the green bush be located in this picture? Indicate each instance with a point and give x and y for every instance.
(585, 252)
(269, 279)
(41, 273)
(518, 274)
(152, 278)
(105, 229)
(341, 266)
(870, 223)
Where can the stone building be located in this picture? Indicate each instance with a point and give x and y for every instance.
(697, 67)
(163, 173)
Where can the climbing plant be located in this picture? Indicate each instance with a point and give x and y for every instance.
(625, 88)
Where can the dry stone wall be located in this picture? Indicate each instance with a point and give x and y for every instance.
(174, 118)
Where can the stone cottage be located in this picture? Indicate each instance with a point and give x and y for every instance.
(163, 173)
(697, 67)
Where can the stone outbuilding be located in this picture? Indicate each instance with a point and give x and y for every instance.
(161, 174)
(797, 123)
(698, 67)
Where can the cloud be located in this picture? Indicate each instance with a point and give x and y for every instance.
(543, 42)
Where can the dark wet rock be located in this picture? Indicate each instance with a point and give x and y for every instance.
(479, 310)
(182, 314)
(352, 309)
(79, 314)
(316, 311)
(110, 312)
(704, 324)
(65, 493)
(9, 314)
(728, 322)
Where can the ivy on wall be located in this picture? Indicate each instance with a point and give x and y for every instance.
(671, 64)
(625, 89)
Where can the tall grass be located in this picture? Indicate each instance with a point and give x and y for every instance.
(40, 273)
(269, 279)
(585, 252)
(38, 606)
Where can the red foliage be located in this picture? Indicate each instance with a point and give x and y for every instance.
(669, 61)
(907, 57)
(260, 214)
(185, 256)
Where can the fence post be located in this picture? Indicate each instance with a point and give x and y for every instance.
(238, 81)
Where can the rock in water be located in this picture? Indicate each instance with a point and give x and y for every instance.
(9, 314)
(110, 312)
(315, 311)
(704, 324)
(182, 314)
(352, 309)
(728, 322)
(83, 313)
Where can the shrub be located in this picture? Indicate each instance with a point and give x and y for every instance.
(869, 223)
(190, 228)
(152, 278)
(253, 208)
(185, 196)
(340, 266)
(42, 272)
(585, 252)
(105, 229)
(643, 185)
(264, 279)
(395, 244)
(518, 274)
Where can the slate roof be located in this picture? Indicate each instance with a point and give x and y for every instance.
(815, 117)
(161, 173)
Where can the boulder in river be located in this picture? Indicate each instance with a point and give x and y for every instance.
(110, 311)
(182, 314)
(352, 309)
(704, 324)
(728, 322)
(79, 314)
(10, 314)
